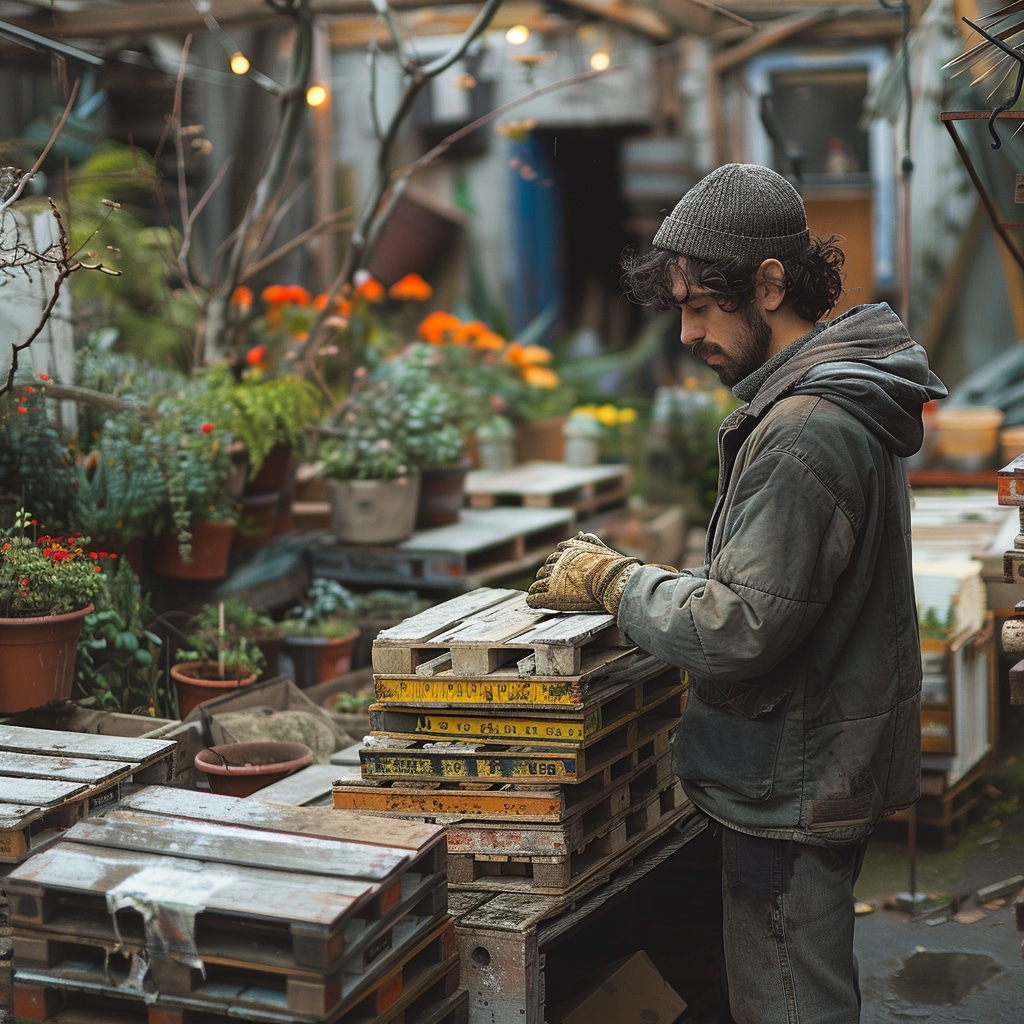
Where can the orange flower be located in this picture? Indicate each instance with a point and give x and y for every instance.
(298, 295)
(274, 294)
(320, 302)
(540, 376)
(519, 354)
(370, 289)
(413, 287)
(489, 341)
(439, 327)
(257, 355)
(242, 297)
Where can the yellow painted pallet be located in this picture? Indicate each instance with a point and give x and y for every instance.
(600, 669)
(583, 725)
(478, 800)
(566, 764)
(485, 630)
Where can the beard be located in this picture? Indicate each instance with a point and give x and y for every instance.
(750, 350)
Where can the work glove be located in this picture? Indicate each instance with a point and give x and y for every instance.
(582, 574)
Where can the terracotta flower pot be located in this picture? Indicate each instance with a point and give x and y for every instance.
(240, 769)
(442, 494)
(198, 681)
(211, 549)
(37, 659)
(318, 658)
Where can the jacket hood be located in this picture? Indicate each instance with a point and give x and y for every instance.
(867, 363)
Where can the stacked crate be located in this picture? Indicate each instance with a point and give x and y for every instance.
(184, 907)
(542, 741)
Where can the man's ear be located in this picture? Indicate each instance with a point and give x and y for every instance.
(770, 285)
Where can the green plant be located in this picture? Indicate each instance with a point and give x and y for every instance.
(36, 464)
(260, 412)
(211, 639)
(329, 610)
(118, 666)
(43, 574)
(195, 460)
(121, 490)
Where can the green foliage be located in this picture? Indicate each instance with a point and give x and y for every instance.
(260, 412)
(118, 655)
(398, 419)
(330, 609)
(44, 575)
(36, 464)
(235, 650)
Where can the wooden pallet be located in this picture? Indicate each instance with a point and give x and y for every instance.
(517, 870)
(473, 641)
(485, 544)
(566, 764)
(943, 811)
(595, 717)
(275, 909)
(49, 779)
(422, 988)
(496, 801)
(584, 489)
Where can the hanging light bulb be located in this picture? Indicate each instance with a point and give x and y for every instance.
(316, 96)
(517, 35)
(239, 63)
(600, 60)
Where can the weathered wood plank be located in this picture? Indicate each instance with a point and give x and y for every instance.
(80, 744)
(308, 821)
(18, 764)
(217, 843)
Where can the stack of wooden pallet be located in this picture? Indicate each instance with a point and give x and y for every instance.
(50, 778)
(179, 907)
(541, 740)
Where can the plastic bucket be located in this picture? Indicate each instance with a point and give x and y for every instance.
(969, 432)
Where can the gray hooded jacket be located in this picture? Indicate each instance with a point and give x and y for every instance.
(800, 632)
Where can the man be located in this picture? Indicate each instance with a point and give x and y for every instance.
(799, 634)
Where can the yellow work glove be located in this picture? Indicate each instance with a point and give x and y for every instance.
(580, 575)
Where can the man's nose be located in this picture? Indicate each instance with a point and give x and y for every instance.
(689, 329)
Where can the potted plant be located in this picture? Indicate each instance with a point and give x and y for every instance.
(196, 524)
(321, 632)
(212, 662)
(47, 585)
(241, 620)
(372, 484)
(118, 667)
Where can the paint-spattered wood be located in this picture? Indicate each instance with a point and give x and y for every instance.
(600, 713)
(307, 821)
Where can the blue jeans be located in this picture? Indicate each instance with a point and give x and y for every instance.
(788, 930)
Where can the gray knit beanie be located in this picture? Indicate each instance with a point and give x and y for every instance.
(741, 211)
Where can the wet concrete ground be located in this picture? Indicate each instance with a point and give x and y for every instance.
(962, 963)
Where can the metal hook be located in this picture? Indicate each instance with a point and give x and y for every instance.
(1006, 104)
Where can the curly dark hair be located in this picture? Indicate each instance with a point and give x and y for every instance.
(814, 281)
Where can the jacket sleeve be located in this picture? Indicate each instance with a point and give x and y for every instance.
(787, 540)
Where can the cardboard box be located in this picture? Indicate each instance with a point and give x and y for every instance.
(632, 991)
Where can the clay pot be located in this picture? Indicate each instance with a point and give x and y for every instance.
(37, 659)
(211, 550)
(240, 769)
(199, 681)
(442, 494)
(316, 659)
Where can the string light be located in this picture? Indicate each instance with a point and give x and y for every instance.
(600, 60)
(316, 96)
(239, 63)
(517, 35)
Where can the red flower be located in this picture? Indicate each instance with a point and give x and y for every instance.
(44, 376)
(257, 355)
(207, 428)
